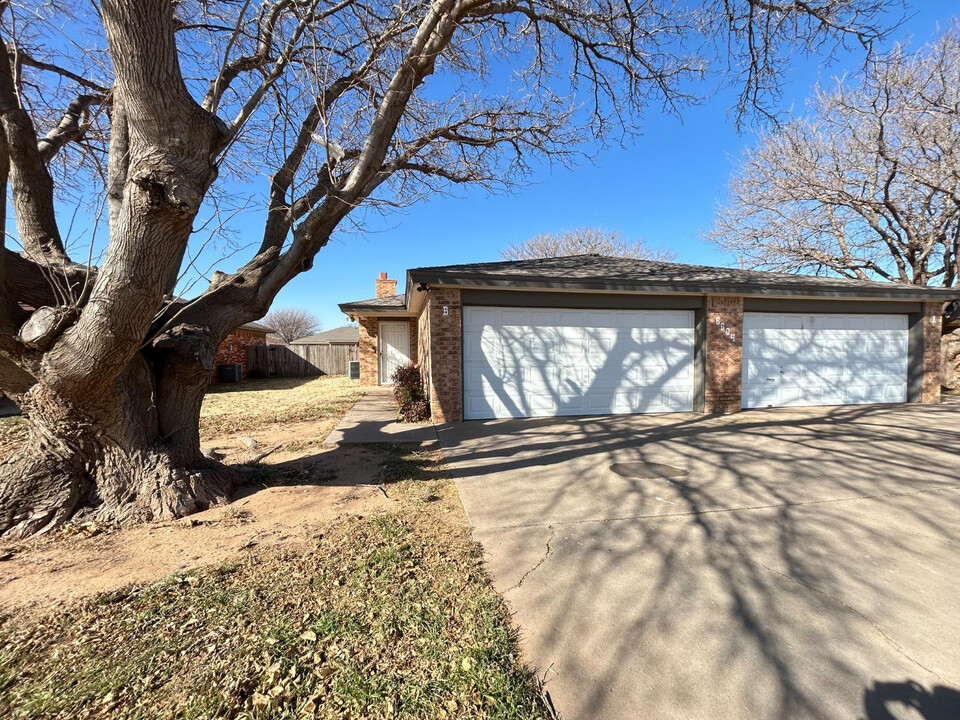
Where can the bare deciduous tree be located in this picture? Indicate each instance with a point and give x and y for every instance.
(583, 241)
(291, 324)
(159, 109)
(867, 185)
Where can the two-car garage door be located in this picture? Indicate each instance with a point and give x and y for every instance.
(528, 362)
(793, 359)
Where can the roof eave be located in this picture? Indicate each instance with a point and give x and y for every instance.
(477, 280)
(348, 309)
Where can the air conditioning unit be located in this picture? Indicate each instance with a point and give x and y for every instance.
(353, 369)
(230, 372)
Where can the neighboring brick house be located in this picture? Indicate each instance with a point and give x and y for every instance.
(591, 335)
(233, 349)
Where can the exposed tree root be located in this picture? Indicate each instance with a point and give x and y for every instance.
(41, 490)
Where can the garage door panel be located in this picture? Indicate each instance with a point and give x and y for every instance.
(573, 362)
(820, 359)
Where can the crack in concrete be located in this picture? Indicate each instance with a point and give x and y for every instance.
(540, 562)
(713, 511)
(823, 593)
(849, 608)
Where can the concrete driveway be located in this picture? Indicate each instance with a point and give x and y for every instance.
(797, 564)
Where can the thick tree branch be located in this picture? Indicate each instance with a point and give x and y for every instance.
(31, 186)
(71, 127)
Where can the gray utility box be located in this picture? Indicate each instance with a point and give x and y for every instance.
(230, 372)
(353, 370)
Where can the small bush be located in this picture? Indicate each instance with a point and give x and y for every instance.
(408, 391)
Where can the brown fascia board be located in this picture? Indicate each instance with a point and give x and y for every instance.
(351, 309)
(552, 283)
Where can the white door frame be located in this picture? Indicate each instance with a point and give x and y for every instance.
(404, 347)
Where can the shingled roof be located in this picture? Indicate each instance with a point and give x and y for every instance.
(390, 302)
(348, 334)
(256, 327)
(598, 272)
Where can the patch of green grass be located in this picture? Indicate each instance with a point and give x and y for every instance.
(390, 616)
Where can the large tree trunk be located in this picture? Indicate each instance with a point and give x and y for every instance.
(110, 458)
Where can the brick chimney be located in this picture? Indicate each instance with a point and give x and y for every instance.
(385, 286)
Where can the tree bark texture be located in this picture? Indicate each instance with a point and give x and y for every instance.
(110, 395)
(110, 458)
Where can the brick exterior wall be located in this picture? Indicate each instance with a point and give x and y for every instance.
(386, 287)
(724, 353)
(445, 355)
(369, 372)
(414, 341)
(233, 349)
(369, 346)
(932, 332)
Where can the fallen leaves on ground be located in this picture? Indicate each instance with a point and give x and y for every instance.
(387, 616)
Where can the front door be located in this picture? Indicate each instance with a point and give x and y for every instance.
(394, 348)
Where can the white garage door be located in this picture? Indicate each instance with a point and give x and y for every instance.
(522, 362)
(793, 360)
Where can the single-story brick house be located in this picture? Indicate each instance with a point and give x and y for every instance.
(589, 334)
(346, 335)
(233, 349)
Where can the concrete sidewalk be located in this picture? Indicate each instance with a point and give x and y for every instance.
(374, 420)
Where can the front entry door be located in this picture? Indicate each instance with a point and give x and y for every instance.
(394, 348)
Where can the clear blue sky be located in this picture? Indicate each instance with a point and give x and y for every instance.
(663, 187)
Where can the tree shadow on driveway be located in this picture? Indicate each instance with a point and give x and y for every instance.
(804, 553)
(883, 699)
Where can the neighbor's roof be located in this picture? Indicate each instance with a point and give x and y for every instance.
(598, 272)
(341, 335)
(256, 327)
(391, 302)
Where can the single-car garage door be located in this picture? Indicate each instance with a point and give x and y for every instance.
(796, 359)
(524, 362)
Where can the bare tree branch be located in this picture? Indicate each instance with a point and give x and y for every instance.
(867, 185)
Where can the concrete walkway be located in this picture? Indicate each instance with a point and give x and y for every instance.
(374, 420)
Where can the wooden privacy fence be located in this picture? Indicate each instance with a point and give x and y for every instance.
(299, 360)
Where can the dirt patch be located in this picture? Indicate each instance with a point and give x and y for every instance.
(283, 497)
(375, 618)
(283, 502)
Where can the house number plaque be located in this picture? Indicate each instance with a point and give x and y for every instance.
(725, 330)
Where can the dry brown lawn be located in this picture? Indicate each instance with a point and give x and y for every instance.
(341, 583)
(255, 404)
(374, 616)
